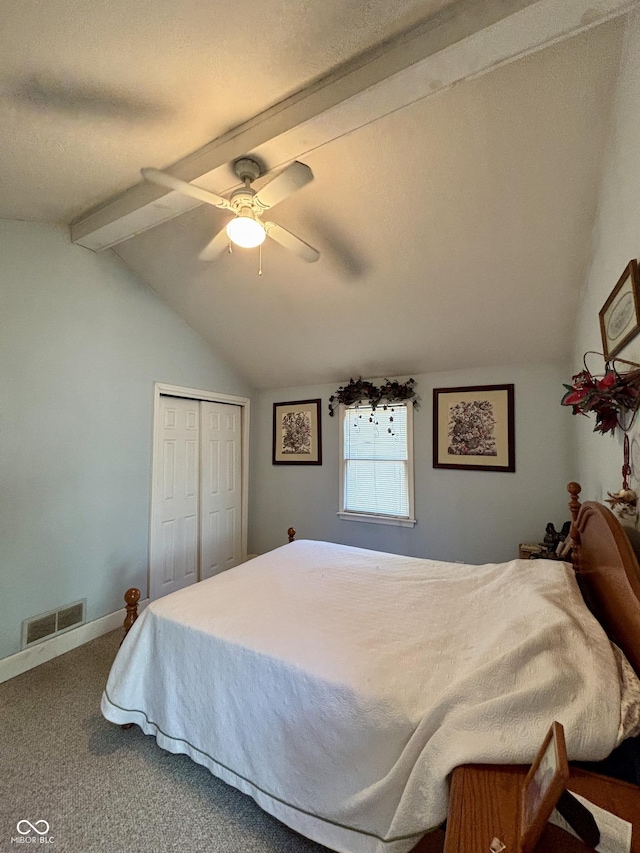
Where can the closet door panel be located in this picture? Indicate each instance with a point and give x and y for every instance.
(174, 529)
(221, 498)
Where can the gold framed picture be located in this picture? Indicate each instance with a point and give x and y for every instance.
(542, 788)
(620, 314)
(297, 433)
(473, 428)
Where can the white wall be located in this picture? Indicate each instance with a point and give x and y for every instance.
(82, 341)
(616, 239)
(474, 516)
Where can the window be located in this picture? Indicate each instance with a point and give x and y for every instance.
(376, 482)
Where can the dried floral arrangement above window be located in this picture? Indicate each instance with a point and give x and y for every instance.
(361, 391)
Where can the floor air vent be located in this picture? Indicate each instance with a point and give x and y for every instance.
(51, 624)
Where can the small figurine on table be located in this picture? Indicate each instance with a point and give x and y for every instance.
(552, 538)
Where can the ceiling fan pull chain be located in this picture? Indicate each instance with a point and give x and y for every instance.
(260, 266)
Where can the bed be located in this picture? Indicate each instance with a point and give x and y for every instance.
(339, 687)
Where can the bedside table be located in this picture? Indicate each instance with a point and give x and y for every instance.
(484, 805)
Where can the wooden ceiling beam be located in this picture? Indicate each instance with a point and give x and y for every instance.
(465, 40)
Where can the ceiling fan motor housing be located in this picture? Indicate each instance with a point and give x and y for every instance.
(242, 201)
(242, 204)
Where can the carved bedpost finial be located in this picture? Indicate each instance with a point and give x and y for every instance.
(574, 490)
(291, 534)
(131, 597)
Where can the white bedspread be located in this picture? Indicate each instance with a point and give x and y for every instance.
(339, 687)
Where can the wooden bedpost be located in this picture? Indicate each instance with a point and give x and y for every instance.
(572, 542)
(131, 597)
(291, 533)
(574, 490)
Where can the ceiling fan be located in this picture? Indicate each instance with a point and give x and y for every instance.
(246, 229)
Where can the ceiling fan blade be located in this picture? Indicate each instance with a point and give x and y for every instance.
(216, 247)
(171, 183)
(288, 181)
(290, 241)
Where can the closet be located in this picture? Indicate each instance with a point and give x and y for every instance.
(197, 492)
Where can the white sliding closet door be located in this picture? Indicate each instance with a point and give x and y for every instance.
(174, 529)
(196, 526)
(221, 487)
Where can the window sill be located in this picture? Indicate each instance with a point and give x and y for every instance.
(393, 520)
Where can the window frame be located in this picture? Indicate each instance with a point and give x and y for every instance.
(375, 518)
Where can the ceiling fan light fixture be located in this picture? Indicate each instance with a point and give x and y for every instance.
(245, 231)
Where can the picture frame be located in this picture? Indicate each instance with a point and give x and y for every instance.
(474, 428)
(542, 788)
(620, 314)
(297, 433)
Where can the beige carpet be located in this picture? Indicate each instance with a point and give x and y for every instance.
(104, 789)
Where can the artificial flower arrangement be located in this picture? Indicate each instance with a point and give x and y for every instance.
(360, 390)
(611, 397)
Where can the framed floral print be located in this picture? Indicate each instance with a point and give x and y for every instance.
(297, 433)
(473, 428)
(620, 314)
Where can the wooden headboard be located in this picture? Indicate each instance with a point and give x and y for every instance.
(608, 573)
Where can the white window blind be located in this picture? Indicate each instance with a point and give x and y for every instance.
(376, 461)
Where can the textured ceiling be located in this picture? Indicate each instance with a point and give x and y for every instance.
(453, 232)
(91, 92)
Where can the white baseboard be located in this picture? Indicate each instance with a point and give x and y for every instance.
(49, 649)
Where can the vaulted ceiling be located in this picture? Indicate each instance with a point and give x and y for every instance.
(454, 193)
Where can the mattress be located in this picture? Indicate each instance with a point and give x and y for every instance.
(339, 687)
